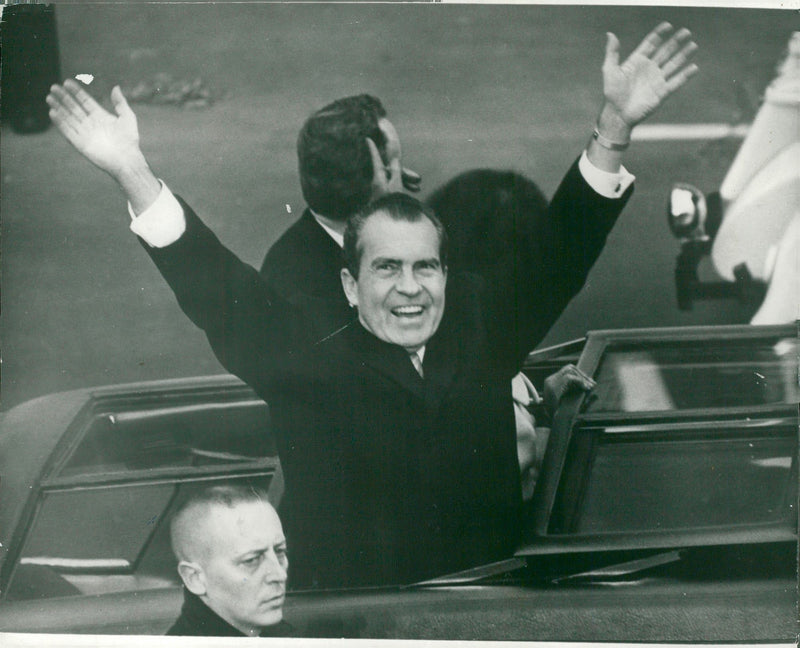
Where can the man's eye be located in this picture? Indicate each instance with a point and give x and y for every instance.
(252, 561)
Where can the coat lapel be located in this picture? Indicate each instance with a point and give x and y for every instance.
(389, 360)
(442, 359)
(440, 364)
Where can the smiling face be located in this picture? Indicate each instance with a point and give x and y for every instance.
(400, 287)
(244, 564)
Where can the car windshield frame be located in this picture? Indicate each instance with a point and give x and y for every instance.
(543, 536)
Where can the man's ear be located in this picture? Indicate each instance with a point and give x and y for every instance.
(193, 577)
(350, 285)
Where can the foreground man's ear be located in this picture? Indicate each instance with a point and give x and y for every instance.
(350, 286)
(193, 577)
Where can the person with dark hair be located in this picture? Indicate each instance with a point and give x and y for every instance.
(348, 153)
(394, 431)
(486, 212)
(334, 160)
(233, 561)
(490, 214)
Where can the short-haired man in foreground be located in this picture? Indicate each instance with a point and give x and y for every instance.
(232, 559)
(394, 473)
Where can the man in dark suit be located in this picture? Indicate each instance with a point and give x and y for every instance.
(391, 477)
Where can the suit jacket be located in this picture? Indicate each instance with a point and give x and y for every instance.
(305, 259)
(199, 620)
(391, 478)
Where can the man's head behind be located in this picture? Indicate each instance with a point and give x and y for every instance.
(231, 553)
(335, 164)
(487, 214)
(395, 253)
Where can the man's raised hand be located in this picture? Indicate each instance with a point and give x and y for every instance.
(653, 71)
(392, 177)
(109, 141)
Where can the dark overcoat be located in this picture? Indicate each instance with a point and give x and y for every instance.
(391, 478)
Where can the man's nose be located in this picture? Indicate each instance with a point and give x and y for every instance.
(276, 569)
(407, 283)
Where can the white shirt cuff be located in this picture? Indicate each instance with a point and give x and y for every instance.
(610, 185)
(162, 223)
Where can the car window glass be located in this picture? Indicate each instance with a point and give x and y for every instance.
(685, 474)
(684, 482)
(161, 436)
(698, 374)
(103, 539)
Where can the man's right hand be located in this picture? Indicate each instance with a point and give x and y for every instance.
(109, 141)
(392, 176)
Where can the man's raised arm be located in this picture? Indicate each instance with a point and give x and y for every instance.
(633, 90)
(217, 291)
(584, 208)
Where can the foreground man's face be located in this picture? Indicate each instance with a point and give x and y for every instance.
(400, 289)
(245, 565)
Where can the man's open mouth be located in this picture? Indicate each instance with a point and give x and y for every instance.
(408, 311)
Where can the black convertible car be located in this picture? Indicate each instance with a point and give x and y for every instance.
(666, 509)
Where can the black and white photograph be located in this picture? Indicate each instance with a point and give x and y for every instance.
(266, 367)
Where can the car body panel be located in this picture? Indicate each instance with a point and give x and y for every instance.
(649, 611)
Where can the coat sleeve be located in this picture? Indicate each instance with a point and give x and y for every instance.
(244, 320)
(532, 283)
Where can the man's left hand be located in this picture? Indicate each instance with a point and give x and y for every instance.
(653, 71)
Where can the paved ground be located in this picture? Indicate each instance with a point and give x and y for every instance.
(514, 87)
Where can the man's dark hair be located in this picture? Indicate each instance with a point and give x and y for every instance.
(487, 213)
(398, 206)
(334, 161)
